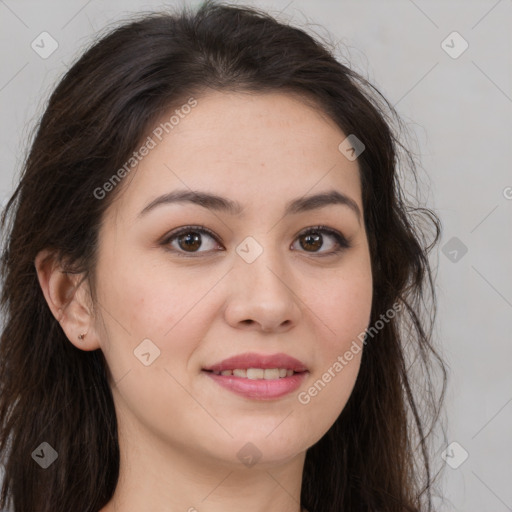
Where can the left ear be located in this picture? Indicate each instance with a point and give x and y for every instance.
(68, 297)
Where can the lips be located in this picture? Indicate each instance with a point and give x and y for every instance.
(257, 376)
(252, 360)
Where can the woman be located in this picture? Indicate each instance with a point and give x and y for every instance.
(212, 285)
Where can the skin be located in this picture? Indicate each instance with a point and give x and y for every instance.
(179, 431)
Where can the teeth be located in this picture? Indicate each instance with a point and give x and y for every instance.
(269, 374)
(258, 373)
(255, 373)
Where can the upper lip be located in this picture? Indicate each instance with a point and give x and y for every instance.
(252, 360)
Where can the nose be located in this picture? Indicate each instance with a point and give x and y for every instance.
(262, 296)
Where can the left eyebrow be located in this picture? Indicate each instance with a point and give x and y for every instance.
(219, 203)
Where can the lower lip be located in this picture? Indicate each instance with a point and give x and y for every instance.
(259, 389)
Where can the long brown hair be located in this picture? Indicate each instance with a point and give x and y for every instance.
(376, 455)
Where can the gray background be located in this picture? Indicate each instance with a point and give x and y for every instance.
(460, 113)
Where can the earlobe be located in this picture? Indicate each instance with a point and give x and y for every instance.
(66, 296)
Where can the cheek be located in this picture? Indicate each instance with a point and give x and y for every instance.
(152, 327)
(147, 300)
(338, 358)
(342, 305)
(142, 300)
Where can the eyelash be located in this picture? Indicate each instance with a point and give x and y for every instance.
(342, 242)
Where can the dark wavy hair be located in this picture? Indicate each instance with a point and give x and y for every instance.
(376, 455)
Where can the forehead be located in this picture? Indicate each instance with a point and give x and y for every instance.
(250, 147)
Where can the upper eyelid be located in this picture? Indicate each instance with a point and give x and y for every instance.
(204, 229)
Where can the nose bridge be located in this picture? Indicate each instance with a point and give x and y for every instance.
(262, 263)
(260, 292)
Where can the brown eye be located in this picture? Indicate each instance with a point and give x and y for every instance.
(190, 239)
(311, 241)
(315, 238)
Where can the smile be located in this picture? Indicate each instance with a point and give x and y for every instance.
(257, 373)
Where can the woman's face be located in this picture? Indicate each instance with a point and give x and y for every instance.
(260, 281)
